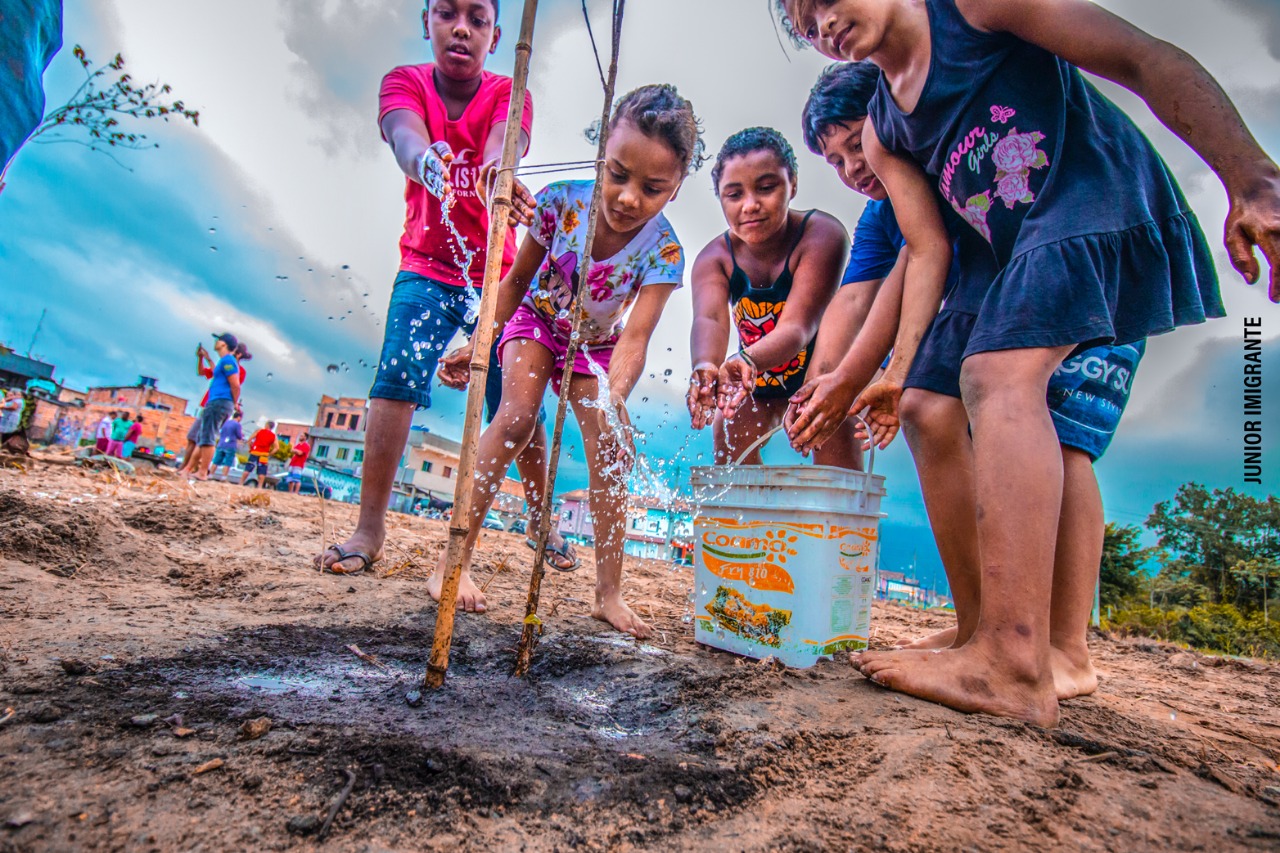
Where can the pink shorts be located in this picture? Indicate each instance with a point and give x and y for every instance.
(528, 324)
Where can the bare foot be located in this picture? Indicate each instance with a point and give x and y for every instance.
(358, 543)
(1073, 673)
(470, 598)
(615, 611)
(967, 679)
(944, 639)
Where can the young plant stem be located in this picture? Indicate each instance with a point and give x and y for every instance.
(529, 634)
(464, 493)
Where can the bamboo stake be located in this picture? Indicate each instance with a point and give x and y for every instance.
(529, 634)
(499, 209)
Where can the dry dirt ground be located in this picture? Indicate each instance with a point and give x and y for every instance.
(148, 627)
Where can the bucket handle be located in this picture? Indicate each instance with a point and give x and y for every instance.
(871, 455)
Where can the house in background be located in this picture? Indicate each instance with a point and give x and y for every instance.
(430, 470)
(337, 436)
(74, 415)
(655, 530)
(17, 370)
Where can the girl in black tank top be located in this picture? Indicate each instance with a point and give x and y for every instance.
(771, 275)
(757, 311)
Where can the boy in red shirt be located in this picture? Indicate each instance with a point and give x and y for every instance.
(301, 453)
(261, 446)
(445, 123)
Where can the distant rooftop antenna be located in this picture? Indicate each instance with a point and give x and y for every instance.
(36, 333)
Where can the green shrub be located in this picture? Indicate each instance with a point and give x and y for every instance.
(1219, 628)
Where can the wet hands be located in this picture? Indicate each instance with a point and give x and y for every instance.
(701, 397)
(736, 381)
(433, 169)
(455, 368)
(1254, 220)
(817, 410)
(523, 204)
(617, 437)
(881, 400)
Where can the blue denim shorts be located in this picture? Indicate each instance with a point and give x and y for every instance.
(1087, 393)
(422, 319)
(210, 422)
(224, 456)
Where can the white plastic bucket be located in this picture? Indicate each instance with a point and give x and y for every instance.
(785, 559)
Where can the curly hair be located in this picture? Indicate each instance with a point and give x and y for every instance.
(841, 96)
(755, 139)
(788, 24)
(658, 111)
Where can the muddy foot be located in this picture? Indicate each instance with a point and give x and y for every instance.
(944, 639)
(329, 560)
(616, 612)
(470, 598)
(966, 679)
(1072, 676)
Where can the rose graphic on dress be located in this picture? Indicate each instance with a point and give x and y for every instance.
(1014, 157)
(598, 282)
(975, 213)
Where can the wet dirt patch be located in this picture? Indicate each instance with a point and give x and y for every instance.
(41, 532)
(169, 519)
(600, 723)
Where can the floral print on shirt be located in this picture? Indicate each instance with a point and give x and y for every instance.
(654, 256)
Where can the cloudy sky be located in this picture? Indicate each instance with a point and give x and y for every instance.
(278, 217)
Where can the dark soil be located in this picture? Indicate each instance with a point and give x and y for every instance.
(182, 631)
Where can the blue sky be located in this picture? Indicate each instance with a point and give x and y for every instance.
(278, 217)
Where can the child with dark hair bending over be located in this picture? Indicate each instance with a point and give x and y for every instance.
(982, 107)
(777, 269)
(636, 264)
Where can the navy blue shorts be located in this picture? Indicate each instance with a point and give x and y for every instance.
(256, 463)
(422, 319)
(1087, 393)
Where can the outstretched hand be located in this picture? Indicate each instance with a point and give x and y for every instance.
(735, 383)
(523, 204)
(881, 401)
(701, 397)
(1254, 220)
(817, 410)
(433, 169)
(455, 368)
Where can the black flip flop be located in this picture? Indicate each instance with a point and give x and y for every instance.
(365, 561)
(553, 551)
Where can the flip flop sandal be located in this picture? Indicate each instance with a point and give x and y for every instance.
(552, 551)
(335, 567)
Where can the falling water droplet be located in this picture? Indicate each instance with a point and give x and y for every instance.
(270, 376)
(333, 368)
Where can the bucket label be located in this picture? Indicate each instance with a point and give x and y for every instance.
(758, 623)
(856, 545)
(754, 552)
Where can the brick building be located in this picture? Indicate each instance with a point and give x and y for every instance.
(164, 416)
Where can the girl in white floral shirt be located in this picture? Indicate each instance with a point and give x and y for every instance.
(636, 264)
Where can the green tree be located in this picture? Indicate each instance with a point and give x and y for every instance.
(1121, 574)
(1211, 532)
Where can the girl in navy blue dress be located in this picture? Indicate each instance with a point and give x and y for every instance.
(982, 102)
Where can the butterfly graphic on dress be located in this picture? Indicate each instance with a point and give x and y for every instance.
(1002, 114)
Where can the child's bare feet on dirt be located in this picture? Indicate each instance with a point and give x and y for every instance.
(358, 546)
(944, 639)
(614, 610)
(967, 679)
(470, 598)
(1073, 673)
